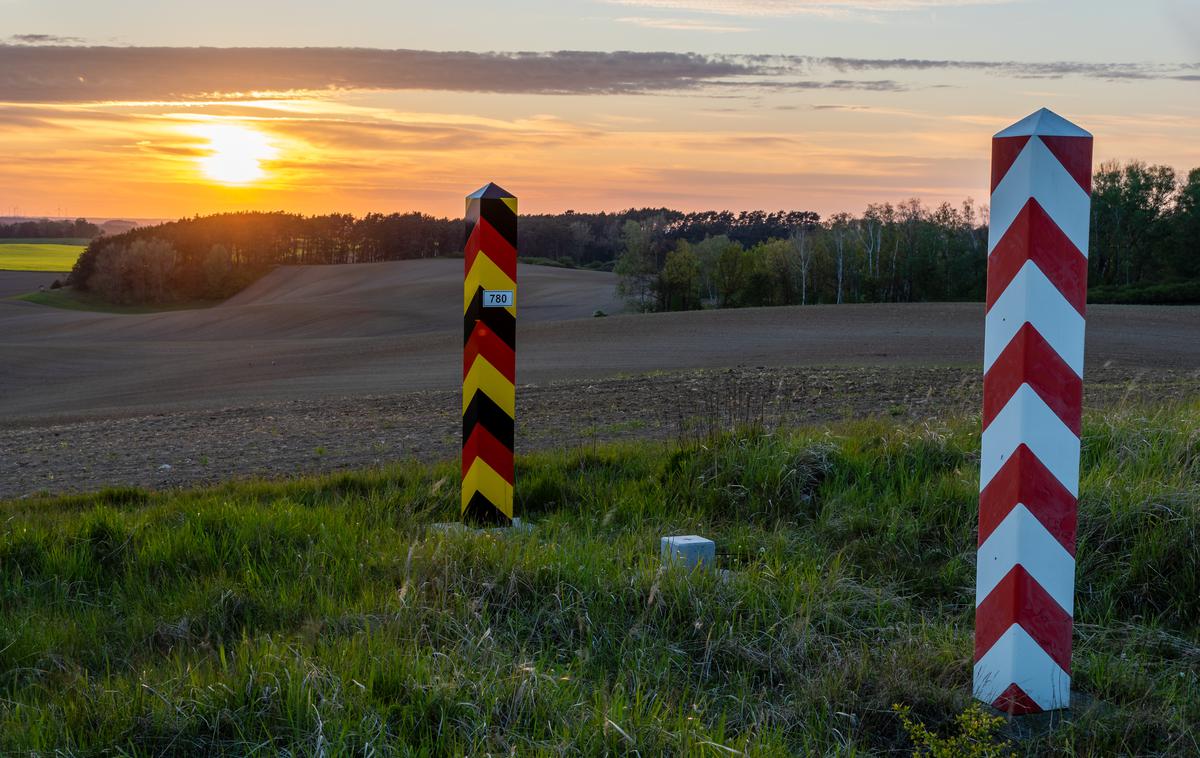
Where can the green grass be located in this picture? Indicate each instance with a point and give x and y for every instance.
(38, 256)
(532, 260)
(72, 300)
(325, 616)
(79, 241)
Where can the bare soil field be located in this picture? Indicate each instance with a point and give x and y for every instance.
(325, 368)
(20, 282)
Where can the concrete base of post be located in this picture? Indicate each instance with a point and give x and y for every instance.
(518, 527)
(689, 550)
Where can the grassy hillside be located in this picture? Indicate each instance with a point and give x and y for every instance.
(326, 615)
(37, 256)
(71, 299)
(76, 241)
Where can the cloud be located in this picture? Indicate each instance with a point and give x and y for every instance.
(800, 7)
(837, 107)
(44, 39)
(800, 85)
(83, 74)
(9, 119)
(93, 74)
(432, 136)
(1015, 69)
(682, 24)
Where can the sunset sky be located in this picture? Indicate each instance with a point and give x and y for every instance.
(164, 109)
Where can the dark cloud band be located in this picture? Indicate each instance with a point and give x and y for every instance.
(44, 39)
(72, 74)
(1016, 69)
(60, 73)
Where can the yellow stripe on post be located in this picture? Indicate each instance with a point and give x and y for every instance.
(483, 478)
(486, 274)
(484, 377)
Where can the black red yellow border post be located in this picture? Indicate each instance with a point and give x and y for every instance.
(489, 357)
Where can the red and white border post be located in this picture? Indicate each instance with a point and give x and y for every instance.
(1033, 392)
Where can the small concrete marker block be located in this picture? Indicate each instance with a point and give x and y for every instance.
(517, 527)
(690, 550)
(448, 526)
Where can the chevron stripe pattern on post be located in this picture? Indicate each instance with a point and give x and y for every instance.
(1032, 401)
(489, 357)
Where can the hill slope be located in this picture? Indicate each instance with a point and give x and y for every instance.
(299, 332)
(308, 333)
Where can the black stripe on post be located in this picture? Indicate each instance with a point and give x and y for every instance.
(481, 410)
(499, 320)
(482, 512)
(503, 220)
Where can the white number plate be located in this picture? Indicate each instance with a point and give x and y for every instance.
(498, 298)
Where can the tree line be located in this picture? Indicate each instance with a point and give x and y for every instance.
(1144, 248)
(44, 228)
(891, 253)
(596, 240)
(214, 257)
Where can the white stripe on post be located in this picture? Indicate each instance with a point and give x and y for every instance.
(1029, 421)
(1034, 298)
(1018, 659)
(1037, 174)
(1021, 539)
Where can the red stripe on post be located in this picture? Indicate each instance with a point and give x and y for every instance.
(1015, 702)
(485, 342)
(1026, 480)
(1033, 236)
(484, 238)
(1019, 599)
(481, 444)
(1029, 359)
(1075, 154)
(1004, 153)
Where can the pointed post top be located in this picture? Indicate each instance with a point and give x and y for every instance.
(1043, 123)
(490, 191)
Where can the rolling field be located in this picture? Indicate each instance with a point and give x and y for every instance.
(369, 329)
(330, 368)
(328, 617)
(38, 256)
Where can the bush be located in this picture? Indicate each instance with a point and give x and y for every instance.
(141, 272)
(152, 272)
(975, 739)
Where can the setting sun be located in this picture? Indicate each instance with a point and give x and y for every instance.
(235, 153)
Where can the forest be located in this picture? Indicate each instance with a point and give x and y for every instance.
(1145, 247)
(44, 228)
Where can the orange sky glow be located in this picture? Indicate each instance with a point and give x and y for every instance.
(88, 130)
